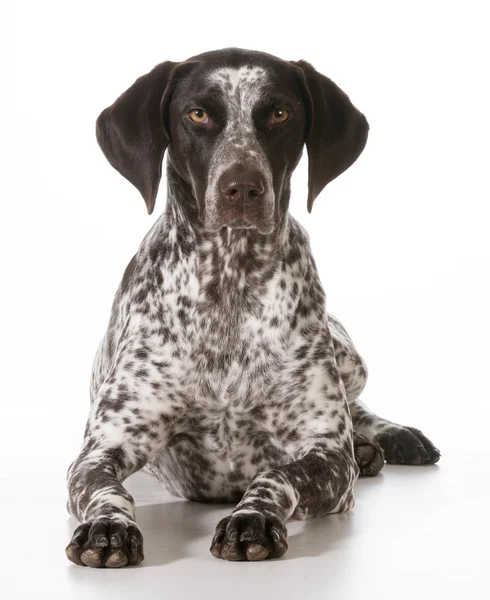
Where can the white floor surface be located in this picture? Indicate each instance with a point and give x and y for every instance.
(415, 532)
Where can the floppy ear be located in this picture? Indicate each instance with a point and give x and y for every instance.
(132, 134)
(336, 131)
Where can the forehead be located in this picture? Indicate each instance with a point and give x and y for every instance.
(236, 82)
(239, 81)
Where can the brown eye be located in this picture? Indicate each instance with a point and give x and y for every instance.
(280, 116)
(198, 115)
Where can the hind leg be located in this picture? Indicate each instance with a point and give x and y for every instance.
(368, 454)
(400, 444)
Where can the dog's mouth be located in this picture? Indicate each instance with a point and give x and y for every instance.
(241, 222)
(258, 216)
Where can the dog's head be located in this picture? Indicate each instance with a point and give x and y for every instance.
(235, 123)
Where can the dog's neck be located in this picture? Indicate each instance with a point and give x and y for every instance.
(237, 245)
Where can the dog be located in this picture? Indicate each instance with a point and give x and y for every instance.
(221, 372)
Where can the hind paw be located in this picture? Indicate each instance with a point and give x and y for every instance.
(407, 446)
(369, 456)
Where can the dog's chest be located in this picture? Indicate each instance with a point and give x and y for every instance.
(230, 320)
(235, 349)
(237, 339)
(229, 315)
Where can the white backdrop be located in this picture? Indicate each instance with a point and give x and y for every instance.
(401, 239)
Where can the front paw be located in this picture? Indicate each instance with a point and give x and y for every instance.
(407, 446)
(249, 536)
(106, 542)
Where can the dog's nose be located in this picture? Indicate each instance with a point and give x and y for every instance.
(240, 187)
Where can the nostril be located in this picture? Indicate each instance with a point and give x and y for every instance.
(254, 194)
(232, 193)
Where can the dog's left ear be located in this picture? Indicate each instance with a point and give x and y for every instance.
(336, 131)
(132, 132)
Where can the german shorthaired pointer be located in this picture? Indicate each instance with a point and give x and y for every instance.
(221, 372)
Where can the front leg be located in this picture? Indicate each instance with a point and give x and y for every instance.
(125, 429)
(318, 483)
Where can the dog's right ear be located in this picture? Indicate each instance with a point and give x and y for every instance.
(132, 132)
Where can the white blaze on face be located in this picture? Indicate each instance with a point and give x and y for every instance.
(241, 89)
